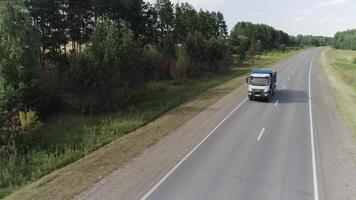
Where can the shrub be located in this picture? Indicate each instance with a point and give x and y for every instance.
(150, 60)
(28, 121)
(218, 54)
(180, 70)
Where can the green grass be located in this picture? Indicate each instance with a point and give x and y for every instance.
(340, 67)
(67, 138)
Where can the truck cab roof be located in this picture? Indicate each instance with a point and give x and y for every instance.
(259, 75)
(262, 71)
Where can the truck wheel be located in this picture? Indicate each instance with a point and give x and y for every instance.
(268, 99)
(250, 98)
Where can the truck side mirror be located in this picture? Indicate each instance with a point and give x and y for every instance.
(247, 79)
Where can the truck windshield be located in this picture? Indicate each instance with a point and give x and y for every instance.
(259, 81)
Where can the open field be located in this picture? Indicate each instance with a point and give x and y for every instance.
(67, 138)
(340, 67)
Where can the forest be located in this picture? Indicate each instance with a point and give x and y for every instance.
(345, 40)
(94, 58)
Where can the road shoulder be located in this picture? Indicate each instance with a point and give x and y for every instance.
(335, 148)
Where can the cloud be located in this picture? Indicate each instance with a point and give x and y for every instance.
(330, 3)
(306, 11)
(330, 21)
(298, 19)
(257, 14)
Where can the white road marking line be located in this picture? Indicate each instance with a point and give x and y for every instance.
(315, 178)
(288, 78)
(275, 104)
(201, 142)
(261, 133)
(190, 153)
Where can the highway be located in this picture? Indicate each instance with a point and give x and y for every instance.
(260, 151)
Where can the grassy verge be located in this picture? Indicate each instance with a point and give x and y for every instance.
(340, 67)
(68, 138)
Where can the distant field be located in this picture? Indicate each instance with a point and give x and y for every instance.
(340, 66)
(69, 137)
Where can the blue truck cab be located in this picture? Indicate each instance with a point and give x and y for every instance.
(262, 84)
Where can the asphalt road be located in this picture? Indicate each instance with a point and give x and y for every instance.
(261, 151)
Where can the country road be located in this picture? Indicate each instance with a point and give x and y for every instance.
(294, 147)
(261, 151)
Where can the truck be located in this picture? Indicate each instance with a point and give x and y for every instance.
(262, 84)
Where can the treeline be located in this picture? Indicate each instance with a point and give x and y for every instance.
(310, 40)
(345, 40)
(248, 39)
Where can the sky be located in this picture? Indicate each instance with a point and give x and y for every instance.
(308, 17)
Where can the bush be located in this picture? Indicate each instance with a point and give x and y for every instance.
(282, 47)
(180, 70)
(29, 121)
(151, 61)
(218, 54)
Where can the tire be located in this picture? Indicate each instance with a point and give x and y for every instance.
(269, 98)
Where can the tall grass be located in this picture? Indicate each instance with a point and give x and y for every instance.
(341, 70)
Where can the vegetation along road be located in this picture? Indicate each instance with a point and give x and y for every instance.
(147, 100)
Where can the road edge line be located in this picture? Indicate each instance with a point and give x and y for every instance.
(315, 178)
(190, 153)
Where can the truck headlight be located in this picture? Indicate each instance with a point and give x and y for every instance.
(266, 90)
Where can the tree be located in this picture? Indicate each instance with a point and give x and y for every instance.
(80, 22)
(49, 16)
(166, 17)
(345, 40)
(185, 21)
(252, 39)
(19, 53)
(222, 25)
(218, 53)
(99, 77)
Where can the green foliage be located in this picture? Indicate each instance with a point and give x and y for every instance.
(250, 39)
(180, 70)
(150, 58)
(196, 47)
(218, 54)
(100, 75)
(309, 40)
(185, 21)
(49, 17)
(19, 63)
(166, 16)
(345, 40)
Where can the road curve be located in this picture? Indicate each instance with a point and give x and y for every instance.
(261, 151)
